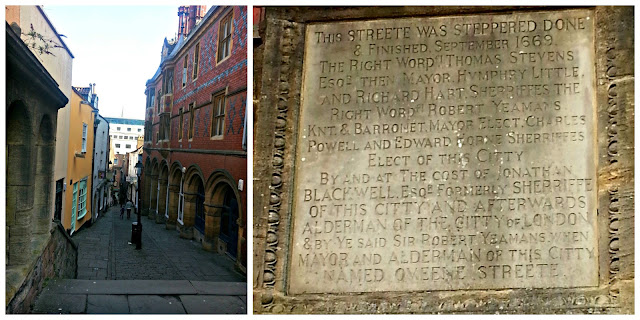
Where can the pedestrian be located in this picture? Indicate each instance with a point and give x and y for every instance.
(129, 205)
(121, 211)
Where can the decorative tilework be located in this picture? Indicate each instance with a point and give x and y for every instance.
(232, 115)
(240, 30)
(215, 79)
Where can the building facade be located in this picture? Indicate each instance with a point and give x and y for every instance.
(35, 248)
(101, 185)
(124, 134)
(34, 22)
(195, 159)
(80, 163)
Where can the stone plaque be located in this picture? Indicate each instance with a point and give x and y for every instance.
(446, 153)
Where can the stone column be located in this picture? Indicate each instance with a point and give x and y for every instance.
(174, 195)
(186, 230)
(212, 217)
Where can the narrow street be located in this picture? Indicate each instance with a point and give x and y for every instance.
(168, 275)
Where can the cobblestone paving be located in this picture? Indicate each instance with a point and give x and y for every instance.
(104, 252)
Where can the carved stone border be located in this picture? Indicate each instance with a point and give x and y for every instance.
(281, 94)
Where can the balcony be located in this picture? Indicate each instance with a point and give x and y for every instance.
(166, 103)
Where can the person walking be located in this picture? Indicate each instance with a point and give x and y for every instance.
(121, 211)
(129, 205)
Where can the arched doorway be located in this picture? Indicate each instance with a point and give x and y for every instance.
(229, 221)
(199, 219)
(20, 183)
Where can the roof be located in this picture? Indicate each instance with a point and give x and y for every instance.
(131, 122)
(85, 93)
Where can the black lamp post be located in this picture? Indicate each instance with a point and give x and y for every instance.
(137, 227)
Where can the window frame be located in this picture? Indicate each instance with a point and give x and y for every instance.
(228, 38)
(82, 199)
(196, 61)
(84, 137)
(184, 70)
(192, 107)
(215, 116)
(181, 124)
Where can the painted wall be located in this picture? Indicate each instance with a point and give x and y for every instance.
(79, 164)
(59, 65)
(100, 162)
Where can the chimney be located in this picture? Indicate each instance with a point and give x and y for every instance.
(189, 16)
(182, 21)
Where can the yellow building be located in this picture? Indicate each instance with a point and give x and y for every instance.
(77, 196)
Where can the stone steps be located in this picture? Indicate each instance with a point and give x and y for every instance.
(142, 297)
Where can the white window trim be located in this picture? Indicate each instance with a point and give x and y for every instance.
(81, 215)
(181, 203)
(84, 137)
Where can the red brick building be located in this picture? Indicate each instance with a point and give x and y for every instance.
(195, 158)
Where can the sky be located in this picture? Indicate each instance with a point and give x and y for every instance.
(116, 47)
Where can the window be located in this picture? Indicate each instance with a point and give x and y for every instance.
(115, 161)
(117, 145)
(191, 119)
(128, 146)
(217, 116)
(164, 127)
(118, 128)
(120, 137)
(84, 137)
(129, 129)
(82, 199)
(126, 137)
(139, 130)
(224, 37)
(158, 104)
(181, 124)
(152, 97)
(74, 204)
(196, 57)
(181, 206)
(184, 71)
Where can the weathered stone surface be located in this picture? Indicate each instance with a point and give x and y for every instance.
(107, 304)
(206, 304)
(65, 303)
(466, 162)
(309, 219)
(145, 304)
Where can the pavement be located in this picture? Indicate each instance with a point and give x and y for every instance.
(169, 275)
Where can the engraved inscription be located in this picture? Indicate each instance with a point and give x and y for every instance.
(446, 153)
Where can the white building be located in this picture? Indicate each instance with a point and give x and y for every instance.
(132, 178)
(101, 192)
(124, 134)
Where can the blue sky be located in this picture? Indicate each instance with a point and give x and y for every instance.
(117, 48)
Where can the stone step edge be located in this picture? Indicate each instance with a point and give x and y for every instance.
(144, 287)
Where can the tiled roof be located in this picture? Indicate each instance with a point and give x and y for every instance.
(83, 92)
(131, 122)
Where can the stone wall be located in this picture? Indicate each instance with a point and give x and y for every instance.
(58, 260)
(279, 127)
